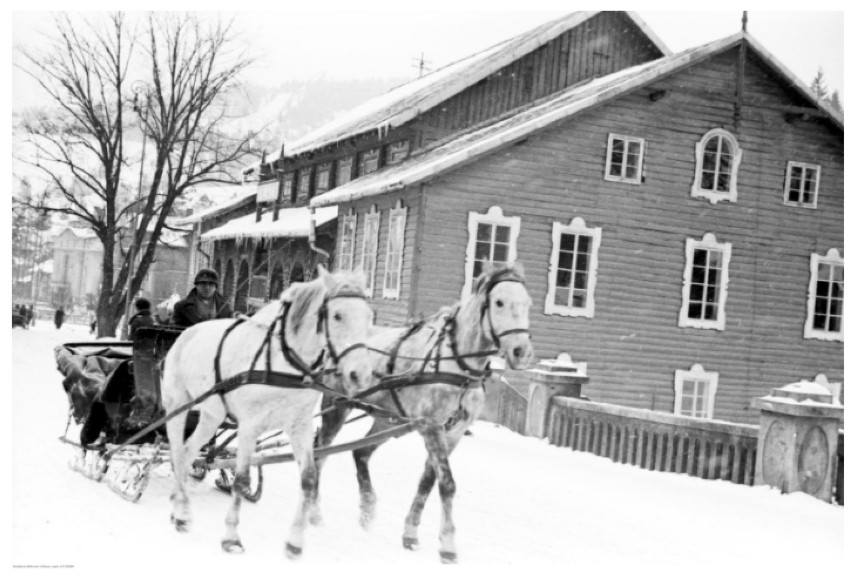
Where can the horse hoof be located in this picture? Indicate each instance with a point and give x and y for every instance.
(232, 546)
(448, 557)
(292, 551)
(181, 525)
(410, 543)
(366, 522)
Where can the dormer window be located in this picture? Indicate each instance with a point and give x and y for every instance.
(717, 160)
(397, 152)
(344, 170)
(368, 162)
(323, 177)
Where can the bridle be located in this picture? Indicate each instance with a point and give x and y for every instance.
(322, 327)
(486, 306)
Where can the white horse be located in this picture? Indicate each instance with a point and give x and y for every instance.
(446, 356)
(289, 336)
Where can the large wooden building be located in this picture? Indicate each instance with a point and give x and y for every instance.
(679, 216)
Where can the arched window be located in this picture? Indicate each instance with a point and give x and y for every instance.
(241, 293)
(297, 274)
(717, 160)
(276, 282)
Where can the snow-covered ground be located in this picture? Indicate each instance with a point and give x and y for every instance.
(520, 504)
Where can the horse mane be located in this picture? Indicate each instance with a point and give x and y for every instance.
(302, 295)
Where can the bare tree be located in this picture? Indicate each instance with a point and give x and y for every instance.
(187, 67)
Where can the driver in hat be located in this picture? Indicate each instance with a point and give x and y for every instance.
(203, 303)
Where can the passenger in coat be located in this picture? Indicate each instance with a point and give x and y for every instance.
(203, 303)
(142, 317)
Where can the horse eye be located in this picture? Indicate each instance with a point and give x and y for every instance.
(499, 303)
(338, 317)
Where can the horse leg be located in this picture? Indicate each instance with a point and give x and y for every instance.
(246, 441)
(183, 453)
(300, 441)
(333, 419)
(438, 467)
(362, 472)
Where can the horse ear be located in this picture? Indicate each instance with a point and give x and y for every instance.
(488, 268)
(519, 269)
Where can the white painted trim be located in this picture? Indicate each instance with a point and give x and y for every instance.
(577, 227)
(805, 167)
(831, 257)
(711, 195)
(697, 372)
(708, 242)
(398, 213)
(373, 217)
(350, 220)
(494, 216)
(641, 166)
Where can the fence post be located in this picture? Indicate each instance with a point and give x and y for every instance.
(556, 377)
(798, 437)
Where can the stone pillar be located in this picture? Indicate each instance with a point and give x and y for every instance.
(549, 378)
(797, 443)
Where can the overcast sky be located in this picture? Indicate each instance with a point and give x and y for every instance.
(385, 39)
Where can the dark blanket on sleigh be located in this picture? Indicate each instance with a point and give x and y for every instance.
(98, 381)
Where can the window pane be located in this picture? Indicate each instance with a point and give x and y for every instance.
(699, 257)
(710, 312)
(696, 292)
(694, 311)
(482, 251)
(562, 295)
(582, 262)
(724, 182)
(834, 324)
(501, 234)
(501, 253)
(566, 260)
(580, 280)
(483, 232)
(563, 278)
(579, 299)
(584, 243)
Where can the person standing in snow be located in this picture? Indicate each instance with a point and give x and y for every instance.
(59, 317)
(203, 303)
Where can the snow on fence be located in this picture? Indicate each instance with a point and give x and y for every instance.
(655, 441)
(709, 449)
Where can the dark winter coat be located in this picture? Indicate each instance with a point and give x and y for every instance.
(186, 311)
(140, 319)
(59, 317)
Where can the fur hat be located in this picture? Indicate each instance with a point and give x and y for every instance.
(142, 304)
(207, 275)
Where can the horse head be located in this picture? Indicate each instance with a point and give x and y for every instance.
(504, 307)
(343, 318)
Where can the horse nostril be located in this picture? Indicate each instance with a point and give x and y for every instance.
(518, 352)
(353, 377)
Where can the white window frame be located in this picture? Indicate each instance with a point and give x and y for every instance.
(696, 373)
(805, 167)
(370, 249)
(639, 167)
(494, 216)
(576, 227)
(736, 156)
(709, 243)
(347, 241)
(396, 247)
(833, 258)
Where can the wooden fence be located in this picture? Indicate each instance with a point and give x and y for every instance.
(654, 440)
(709, 449)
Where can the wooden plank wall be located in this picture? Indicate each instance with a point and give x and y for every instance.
(633, 345)
(389, 312)
(603, 44)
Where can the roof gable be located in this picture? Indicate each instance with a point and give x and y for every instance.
(405, 102)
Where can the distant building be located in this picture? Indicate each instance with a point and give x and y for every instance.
(77, 257)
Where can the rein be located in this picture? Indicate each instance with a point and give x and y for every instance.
(306, 379)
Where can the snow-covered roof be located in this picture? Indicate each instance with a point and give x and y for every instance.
(292, 222)
(478, 142)
(235, 195)
(405, 102)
